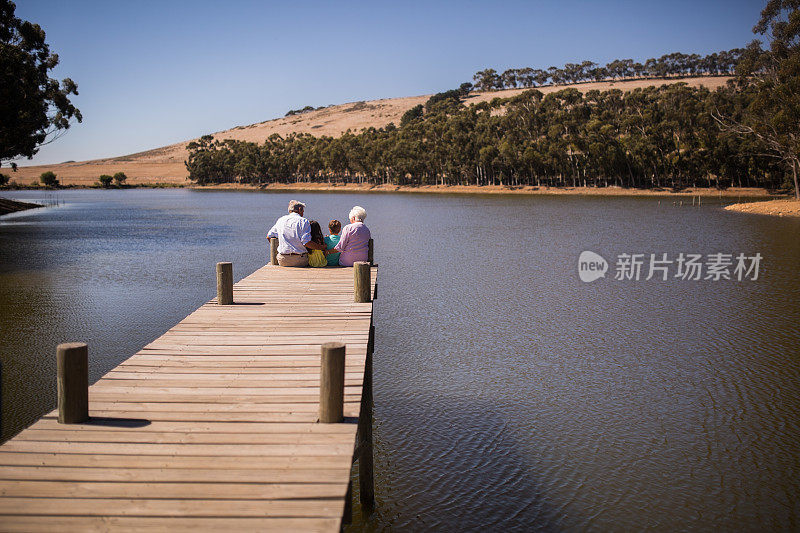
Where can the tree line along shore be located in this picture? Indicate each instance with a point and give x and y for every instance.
(649, 138)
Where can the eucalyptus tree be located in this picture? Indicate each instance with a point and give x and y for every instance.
(509, 78)
(525, 77)
(773, 114)
(486, 80)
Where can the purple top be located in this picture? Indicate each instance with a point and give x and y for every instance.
(354, 244)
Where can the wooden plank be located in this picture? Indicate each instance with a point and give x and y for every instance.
(207, 427)
(224, 462)
(157, 490)
(265, 406)
(181, 437)
(27, 524)
(229, 381)
(351, 410)
(318, 507)
(126, 448)
(215, 392)
(174, 475)
(206, 395)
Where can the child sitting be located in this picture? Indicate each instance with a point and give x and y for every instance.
(316, 258)
(332, 240)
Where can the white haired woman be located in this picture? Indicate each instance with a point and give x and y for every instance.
(354, 242)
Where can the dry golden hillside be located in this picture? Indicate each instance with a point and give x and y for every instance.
(165, 164)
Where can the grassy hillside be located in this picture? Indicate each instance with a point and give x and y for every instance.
(165, 164)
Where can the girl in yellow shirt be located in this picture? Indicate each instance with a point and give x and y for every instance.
(316, 258)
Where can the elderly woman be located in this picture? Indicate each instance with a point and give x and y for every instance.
(354, 242)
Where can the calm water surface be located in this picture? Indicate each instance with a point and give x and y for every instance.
(509, 395)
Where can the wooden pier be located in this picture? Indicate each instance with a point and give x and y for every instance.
(214, 425)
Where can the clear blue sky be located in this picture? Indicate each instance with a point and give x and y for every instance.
(151, 73)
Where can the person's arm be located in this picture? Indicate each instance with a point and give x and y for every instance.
(314, 246)
(342, 240)
(305, 237)
(273, 232)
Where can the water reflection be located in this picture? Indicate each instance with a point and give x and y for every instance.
(509, 395)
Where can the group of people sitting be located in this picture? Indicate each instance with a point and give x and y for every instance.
(301, 242)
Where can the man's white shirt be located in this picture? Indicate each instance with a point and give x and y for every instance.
(293, 232)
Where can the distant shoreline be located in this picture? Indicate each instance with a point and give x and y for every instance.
(734, 192)
(758, 200)
(704, 192)
(14, 206)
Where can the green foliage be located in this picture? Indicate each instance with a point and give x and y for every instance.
(487, 80)
(4, 179)
(33, 106)
(119, 179)
(412, 114)
(663, 137)
(49, 179)
(772, 76)
(105, 181)
(451, 98)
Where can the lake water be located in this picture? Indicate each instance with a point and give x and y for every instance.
(509, 394)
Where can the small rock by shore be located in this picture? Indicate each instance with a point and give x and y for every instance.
(781, 208)
(12, 206)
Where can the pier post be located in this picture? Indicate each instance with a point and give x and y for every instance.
(371, 253)
(361, 282)
(73, 382)
(1, 401)
(366, 481)
(331, 383)
(224, 283)
(273, 251)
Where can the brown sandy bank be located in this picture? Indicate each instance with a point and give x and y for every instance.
(784, 207)
(12, 206)
(735, 192)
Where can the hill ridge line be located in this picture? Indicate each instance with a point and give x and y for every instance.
(165, 164)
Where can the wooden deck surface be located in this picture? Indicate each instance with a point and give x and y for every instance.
(211, 426)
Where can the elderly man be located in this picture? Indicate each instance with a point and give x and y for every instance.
(354, 242)
(294, 236)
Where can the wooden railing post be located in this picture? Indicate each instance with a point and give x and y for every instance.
(361, 282)
(224, 283)
(273, 251)
(72, 361)
(371, 253)
(331, 383)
